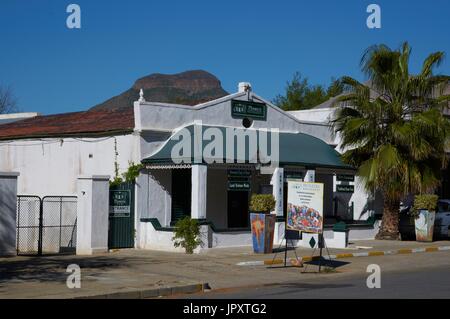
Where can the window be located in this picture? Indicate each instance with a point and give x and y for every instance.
(247, 122)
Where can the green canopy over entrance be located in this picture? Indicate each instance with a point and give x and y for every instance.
(186, 145)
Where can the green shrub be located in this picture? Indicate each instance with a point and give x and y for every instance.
(262, 203)
(133, 172)
(187, 234)
(129, 176)
(116, 181)
(426, 201)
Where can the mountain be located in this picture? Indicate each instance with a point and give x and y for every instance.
(190, 88)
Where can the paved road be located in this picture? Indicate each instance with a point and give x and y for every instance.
(421, 280)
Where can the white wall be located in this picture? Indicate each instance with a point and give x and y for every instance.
(160, 195)
(153, 200)
(8, 205)
(50, 166)
(314, 115)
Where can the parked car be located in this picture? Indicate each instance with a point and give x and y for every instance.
(441, 224)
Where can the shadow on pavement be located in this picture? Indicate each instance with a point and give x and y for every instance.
(325, 262)
(53, 268)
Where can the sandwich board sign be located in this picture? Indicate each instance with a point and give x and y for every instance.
(305, 207)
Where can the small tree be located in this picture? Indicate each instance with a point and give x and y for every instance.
(301, 95)
(187, 234)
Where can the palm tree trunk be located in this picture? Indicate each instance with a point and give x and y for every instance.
(390, 220)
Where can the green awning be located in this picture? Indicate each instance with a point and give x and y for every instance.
(294, 148)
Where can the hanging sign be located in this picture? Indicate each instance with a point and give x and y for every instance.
(305, 207)
(119, 203)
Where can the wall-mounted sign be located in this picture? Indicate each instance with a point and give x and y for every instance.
(345, 178)
(238, 186)
(293, 175)
(239, 179)
(305, 207)
(239, 173)
(248, 109)
(345, 188)
(119, 203)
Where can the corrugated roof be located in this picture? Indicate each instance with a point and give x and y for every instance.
(70, 124)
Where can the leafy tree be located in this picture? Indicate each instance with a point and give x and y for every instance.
(336, 87)
(300, 95)
(394, 131)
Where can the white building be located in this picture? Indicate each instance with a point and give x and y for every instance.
(50, 152)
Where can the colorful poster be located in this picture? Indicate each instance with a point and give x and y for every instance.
(305, 207)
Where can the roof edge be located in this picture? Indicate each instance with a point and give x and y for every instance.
(77, 134)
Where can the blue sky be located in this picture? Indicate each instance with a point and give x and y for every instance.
(53, 69)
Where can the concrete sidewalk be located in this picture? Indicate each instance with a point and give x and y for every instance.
(354, 250)
(143, 270)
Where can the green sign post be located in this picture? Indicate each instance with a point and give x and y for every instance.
(247, 109)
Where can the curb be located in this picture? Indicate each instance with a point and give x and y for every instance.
(348, 255)
(149, 293)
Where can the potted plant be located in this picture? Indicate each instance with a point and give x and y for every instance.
(262, 222)
(424, 212)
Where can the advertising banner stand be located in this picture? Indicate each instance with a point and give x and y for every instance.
(321, 244)
(304, 215)
(288, 238)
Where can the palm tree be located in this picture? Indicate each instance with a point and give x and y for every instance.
(392, 128)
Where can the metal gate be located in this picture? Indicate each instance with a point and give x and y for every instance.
(121, 216)
(47, 225)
